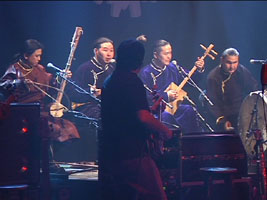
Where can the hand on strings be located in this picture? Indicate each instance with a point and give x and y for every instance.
(200, 64)
(68, 73)
(172, 95)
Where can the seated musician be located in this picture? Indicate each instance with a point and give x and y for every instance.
(90, 76)
(29, 82)
(158, 75)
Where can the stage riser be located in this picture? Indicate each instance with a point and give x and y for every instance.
(193, 152)
(20, 145)
(74, 190)
(242, 190)
(28, 194)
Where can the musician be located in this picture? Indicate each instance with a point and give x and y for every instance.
(29, 82)
(158, 75)
(126, 170)
(91, 75)
(227, 85)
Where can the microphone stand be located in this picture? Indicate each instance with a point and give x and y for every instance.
(81, 115)
(181, 71)
(78, 88)
(202, 119)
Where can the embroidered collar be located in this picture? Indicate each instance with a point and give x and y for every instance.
(24, 66)
(156, 67)
(98, 65)
(228, 77)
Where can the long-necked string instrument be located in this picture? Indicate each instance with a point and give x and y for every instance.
(57, 109)
(181, 93)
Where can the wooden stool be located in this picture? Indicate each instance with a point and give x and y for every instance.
(5, 190)
(226, 173)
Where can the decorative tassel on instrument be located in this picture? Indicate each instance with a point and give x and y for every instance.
(57, 109)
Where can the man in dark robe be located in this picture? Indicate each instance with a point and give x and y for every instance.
(90, 76)
(227, 85)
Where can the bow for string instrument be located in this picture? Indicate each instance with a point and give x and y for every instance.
(181, 93)
(57, 109)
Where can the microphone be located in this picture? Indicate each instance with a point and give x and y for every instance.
(54, 67)
(179, 68)
(253, 61)
(112, 61)
(174, 62)
(184, 73)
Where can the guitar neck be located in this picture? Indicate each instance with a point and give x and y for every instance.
(74, 44)
(182, 84)
(61, 90)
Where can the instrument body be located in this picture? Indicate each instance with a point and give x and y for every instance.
(252, 130)
(181, 93)
(57, 109)
(251, 102)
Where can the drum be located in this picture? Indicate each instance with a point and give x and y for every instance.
(251, 117)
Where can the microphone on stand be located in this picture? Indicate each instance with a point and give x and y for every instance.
(60, 72)
(112, 61)
(253, 61)
(182, 71)
(54, 67)
(177, 66)
(174, 62)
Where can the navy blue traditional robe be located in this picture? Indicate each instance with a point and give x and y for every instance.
(158, 80)
(87, 74)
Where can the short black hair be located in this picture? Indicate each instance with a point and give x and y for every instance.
(30, 46)
(130, 55)
(101, 40)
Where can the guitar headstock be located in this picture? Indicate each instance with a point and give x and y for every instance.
(76, 37)
(208, 50)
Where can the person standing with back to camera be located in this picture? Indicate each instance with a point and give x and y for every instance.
(126, 169)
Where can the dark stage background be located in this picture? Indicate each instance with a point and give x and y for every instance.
(186, 24)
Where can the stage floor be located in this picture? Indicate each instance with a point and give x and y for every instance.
(82, 179)
(78, 183)
(81, 171)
